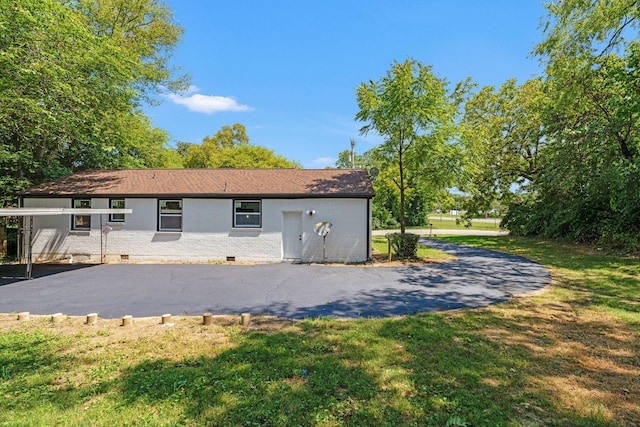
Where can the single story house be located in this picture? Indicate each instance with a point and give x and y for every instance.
(202, 215)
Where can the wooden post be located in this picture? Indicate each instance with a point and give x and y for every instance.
(389, 247)
(166, 319)
(57, 318)
(92, 318)
(207, 319)
(245, 319)
(127, 320)
(23, 316)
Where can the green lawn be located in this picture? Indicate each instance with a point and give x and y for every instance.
(451, 224)
(381, 247)
(568, 356)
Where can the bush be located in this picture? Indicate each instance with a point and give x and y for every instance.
(383, 219)
(624, 242)
(404, 246)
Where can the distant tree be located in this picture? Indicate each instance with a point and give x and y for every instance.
(410, 108)
(229, 137)
(502, 135)
(182, 149)
(230, 148)
(344, 160)
(589, 188)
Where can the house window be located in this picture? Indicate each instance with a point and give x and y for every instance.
(247, 213)
(170, 215)
(81, 222)
(116, 204)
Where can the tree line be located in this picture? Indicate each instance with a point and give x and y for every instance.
(561, 151)
(74, 76)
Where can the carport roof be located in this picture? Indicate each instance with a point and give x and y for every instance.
(220, 183)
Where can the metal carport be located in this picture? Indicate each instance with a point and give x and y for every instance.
(29, 213)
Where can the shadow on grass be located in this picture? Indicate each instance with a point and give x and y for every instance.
(531, 361)
(412, 371)
(474, 368)
(526, 369)
(269, 380)
(599, 279)
(35, 351)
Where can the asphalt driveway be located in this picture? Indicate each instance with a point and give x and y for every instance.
(478, 278)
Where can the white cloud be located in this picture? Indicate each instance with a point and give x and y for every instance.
(207, 104)
(322, 162)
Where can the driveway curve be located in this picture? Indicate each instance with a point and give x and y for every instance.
(478, 278)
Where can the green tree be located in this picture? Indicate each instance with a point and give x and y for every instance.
(52, 76)
(344, 160)
(592, 73)
(230, 148)
(70, 91)
(502, 136)
(589, 187)
(146, 32)
(229, 137)
(420, 197)
(410, 108)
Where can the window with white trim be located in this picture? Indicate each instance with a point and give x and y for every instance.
(81, 222)
(247, 213)
(170, 215)
(116, 204)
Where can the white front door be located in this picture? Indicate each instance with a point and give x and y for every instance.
(292, 235)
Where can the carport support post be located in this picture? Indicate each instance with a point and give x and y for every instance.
(27, 274)
(101, 245)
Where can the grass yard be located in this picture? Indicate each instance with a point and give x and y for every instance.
(566, 356)
(381, 252)
(448, 224)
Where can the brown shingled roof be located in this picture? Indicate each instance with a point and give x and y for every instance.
(210, 183)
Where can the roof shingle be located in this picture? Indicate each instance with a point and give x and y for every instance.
(210, 183)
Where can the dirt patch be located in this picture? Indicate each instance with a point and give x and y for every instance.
(382, 260)
(141, 326)
(586, 359)
(184, 337)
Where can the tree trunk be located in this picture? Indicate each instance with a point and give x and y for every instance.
(400, 166)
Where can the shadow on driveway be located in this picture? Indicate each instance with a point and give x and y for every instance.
(12, 273)
(478, 278)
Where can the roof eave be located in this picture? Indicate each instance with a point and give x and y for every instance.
(205, 195)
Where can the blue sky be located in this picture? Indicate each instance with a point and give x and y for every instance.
(288, 69)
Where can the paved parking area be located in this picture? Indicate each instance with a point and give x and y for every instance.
(478, 278)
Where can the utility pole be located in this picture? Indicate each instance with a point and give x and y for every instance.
(353, 154)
